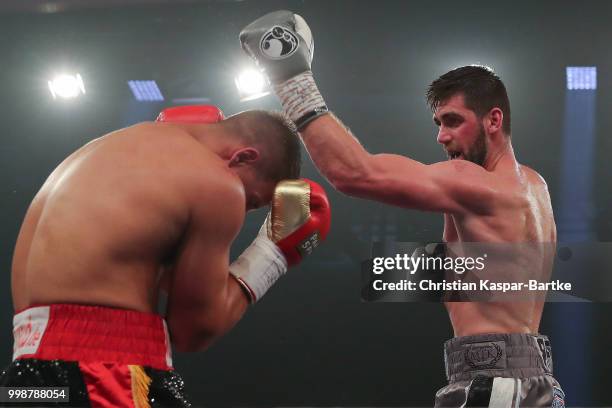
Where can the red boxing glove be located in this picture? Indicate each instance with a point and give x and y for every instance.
(299, 218)
(298, 221)
(191, 114)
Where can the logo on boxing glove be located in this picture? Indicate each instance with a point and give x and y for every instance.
(309, 244)
(279, 43)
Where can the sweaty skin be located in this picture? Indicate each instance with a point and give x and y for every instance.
(498, 202)
(147, 206)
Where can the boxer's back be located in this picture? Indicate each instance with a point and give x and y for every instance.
(522, 230)
(108, 217)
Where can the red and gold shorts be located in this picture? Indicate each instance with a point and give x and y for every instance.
(106, 357)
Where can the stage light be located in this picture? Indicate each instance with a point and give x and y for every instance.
(66, 86)
(581, 78)
(251, 84)
(147, 91)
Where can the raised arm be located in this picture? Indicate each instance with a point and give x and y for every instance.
(397, 180)
(451, 186)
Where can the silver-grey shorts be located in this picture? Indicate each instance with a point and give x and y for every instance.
(499, 370)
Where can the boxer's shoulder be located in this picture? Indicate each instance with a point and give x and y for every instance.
(196, 178)
(169, 147)
(216, 199)
(468, 183)
(459, 172)
(519, 190)
(533, 177)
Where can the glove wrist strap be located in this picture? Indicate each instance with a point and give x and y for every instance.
(259, 267)
(301, 99)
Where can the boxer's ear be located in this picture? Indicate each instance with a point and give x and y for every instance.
(244, 156)
(494, 120)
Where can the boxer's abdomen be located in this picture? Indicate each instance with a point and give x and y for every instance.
(470, 318)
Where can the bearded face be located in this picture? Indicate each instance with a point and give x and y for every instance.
(460, 131)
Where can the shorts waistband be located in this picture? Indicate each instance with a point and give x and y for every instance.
(72, 332)
(516, 355)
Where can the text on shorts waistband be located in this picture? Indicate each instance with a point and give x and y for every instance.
(497, 354)
(74, 332)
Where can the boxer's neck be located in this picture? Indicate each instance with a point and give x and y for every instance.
(500, 156)
(221, 139)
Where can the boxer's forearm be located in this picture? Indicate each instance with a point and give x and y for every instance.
(232, 307)
(336, 153)
(196, 331)
(388, 178)
(236, 302)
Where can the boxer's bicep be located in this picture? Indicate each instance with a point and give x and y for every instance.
(401, 181)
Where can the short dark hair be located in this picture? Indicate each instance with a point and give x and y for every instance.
(278, 139)
(481, 88)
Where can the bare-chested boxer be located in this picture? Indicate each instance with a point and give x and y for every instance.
(152, 207)
(497, 357)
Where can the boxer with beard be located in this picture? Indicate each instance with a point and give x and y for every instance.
(497, 357)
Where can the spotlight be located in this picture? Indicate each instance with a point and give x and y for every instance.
(67, 86)
(251, 84)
